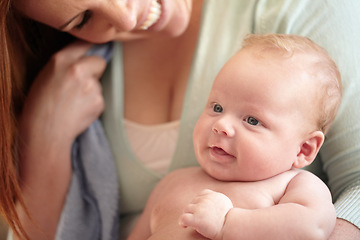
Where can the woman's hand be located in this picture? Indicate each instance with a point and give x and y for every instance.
(63, 101)
(66, 96)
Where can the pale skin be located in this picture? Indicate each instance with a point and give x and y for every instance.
(249, 141)
(54, 164)
(251, 213)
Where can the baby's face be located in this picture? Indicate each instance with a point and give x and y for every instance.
(253, 124)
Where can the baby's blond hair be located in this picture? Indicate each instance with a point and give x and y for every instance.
(327, 72)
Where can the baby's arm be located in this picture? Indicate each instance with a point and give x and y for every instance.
(304, 212)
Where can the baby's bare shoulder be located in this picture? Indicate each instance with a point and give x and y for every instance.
(185, 176)
(185, 171)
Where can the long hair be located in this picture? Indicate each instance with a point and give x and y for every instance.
(25, 47)
(10, 82)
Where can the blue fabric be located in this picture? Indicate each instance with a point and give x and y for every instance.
(91, 209)
(103, 50)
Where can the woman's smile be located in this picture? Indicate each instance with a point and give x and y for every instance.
(153, 15)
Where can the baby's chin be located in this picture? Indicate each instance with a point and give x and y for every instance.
(221, 176)
(229, 177)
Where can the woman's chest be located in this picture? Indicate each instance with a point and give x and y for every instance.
(156, 74)
(153, 97)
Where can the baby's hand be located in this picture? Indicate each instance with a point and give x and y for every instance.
(206, 213)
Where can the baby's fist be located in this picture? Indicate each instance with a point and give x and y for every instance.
(206, 213)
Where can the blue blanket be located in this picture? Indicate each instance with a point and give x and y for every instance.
(91, 209)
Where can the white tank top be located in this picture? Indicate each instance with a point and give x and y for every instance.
(153, 145)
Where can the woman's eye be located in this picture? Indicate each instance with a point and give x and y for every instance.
(86, 17)
(217, 108)
(252, 121)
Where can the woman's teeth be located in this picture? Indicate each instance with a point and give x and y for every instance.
(154, 15)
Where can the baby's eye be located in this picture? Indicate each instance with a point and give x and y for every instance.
(217, 108)
(252, 121)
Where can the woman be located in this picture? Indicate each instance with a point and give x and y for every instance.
(169, 54)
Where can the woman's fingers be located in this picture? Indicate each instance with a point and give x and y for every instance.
(67, 96)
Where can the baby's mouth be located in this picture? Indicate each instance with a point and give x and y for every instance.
(153, 16)
(221, 152)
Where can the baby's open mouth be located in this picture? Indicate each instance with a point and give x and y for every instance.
(220, 151)
(153, 16)
(220, 155)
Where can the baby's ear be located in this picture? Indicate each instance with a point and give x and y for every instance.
(309, 149)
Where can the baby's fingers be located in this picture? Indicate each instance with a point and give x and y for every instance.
(186, 220)
(193, 216)
(190, 208)
(201, 225)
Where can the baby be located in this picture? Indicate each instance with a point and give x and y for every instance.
(268, 111)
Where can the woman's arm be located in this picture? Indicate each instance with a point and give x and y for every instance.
(63, 101)
(345, 230)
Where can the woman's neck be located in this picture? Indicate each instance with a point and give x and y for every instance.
(156, 74)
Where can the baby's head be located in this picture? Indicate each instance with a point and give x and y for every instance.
(323, 75)
(268, 109)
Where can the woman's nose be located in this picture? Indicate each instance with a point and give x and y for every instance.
(224, 127)
(121, 16)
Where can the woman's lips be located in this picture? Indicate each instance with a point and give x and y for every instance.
(153, 16)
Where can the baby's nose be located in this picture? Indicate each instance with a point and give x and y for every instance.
(224, 127)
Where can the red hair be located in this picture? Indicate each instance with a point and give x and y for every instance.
(10, 191)
(23, 53)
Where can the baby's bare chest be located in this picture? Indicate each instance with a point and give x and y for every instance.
(180, 192)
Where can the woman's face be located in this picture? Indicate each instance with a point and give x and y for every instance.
(108, 20)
